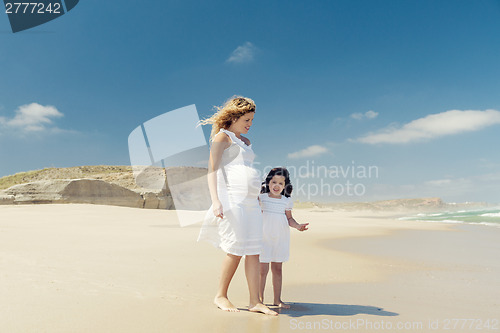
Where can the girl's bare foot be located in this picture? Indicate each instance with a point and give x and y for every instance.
(259, 307)
(282, 305)
(225, 305)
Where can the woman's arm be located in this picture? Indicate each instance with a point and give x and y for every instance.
(292, 223)
(220, 142)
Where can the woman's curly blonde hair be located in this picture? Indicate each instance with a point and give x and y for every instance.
(232, 110)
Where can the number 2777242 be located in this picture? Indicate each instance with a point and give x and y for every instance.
(32, 8)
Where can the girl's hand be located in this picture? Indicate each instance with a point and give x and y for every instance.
(302, 227)
(217, 209)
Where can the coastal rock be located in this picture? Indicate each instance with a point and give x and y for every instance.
(165, 202)
(189, 188)
(100, 192)
(150, 179)
(143, 187)
(37, 192)
(151, 200)
(74, 191)
(157, 200)
(6, 199)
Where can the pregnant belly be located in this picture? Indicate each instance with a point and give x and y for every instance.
(243, 181)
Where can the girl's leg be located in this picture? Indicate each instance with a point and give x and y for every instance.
(264, 269)
(229, 265)
(276, 269)
(252, 269)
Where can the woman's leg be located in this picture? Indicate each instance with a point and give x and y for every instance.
(264, 269)
(277, 272)
(252, 271)
(229, 266)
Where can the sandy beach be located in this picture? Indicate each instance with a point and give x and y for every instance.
(91, 268)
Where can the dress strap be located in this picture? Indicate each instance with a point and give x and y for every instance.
(234, 138)
(229, 133)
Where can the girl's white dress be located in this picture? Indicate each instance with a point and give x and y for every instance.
(238, 186)
(276, 241)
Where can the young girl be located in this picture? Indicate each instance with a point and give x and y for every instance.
(234, 222)
(276, 207)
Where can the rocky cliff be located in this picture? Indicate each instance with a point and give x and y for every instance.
(109, 185)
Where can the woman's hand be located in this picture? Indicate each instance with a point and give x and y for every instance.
(217, 209)
(302, 227)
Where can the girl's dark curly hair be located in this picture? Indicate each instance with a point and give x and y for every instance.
(287, 191)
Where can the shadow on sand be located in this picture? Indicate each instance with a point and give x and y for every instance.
(314, 309)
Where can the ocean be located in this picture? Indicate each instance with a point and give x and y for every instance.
(485, 216)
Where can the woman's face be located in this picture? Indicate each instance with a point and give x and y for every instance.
(243, 124)
(276, 185)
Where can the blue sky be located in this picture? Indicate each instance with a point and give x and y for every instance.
(340, 83)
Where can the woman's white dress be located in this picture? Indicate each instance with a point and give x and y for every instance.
(276, 240)
(238, 187)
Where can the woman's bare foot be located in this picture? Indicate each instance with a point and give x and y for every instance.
(282, 305)
(225, 305)
(259, 307)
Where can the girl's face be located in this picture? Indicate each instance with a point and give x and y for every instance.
(243, 124)
(276, 185)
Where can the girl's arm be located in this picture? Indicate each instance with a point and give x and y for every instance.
(260, 203)
(292, 223)
(219, 143)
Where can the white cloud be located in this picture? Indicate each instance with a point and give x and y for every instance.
(310, 151)
(371, 114)
(435, 125)
(368, 115)
(438, 182)
(32, 118)
(243, 53)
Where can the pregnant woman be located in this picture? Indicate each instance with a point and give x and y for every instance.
(234, 221)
